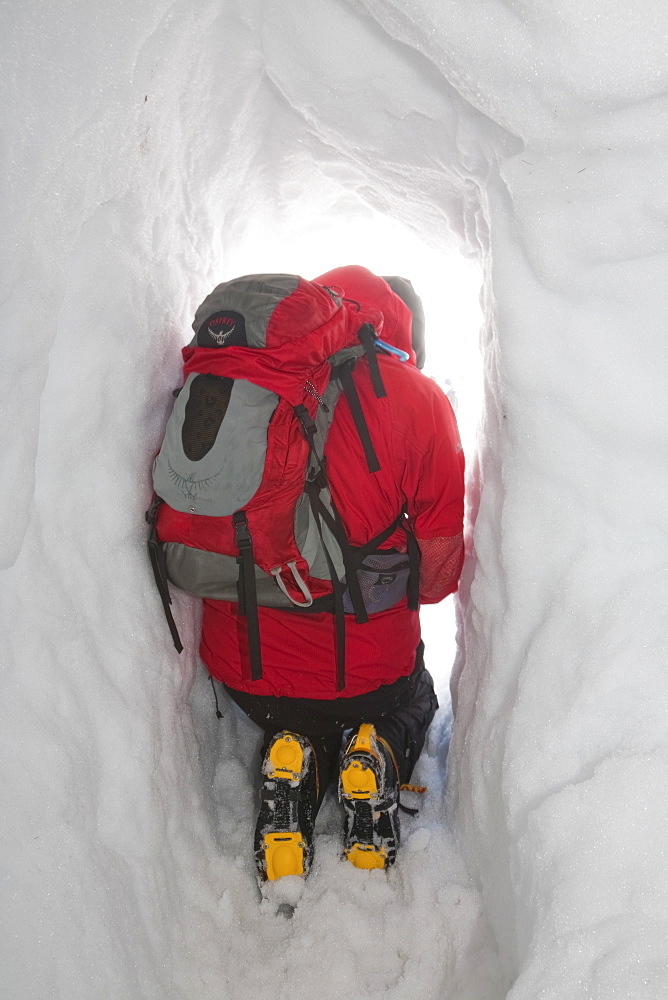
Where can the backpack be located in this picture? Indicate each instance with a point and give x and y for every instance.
(242, 509)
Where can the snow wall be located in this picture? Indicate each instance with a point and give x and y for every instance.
(145, 146)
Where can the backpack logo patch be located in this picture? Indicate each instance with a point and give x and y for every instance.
(223, 329)
(221, 337)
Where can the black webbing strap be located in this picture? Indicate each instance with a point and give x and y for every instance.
(332, 519)
(345, 376)
(375, 543)
(309, 428)
(312, 487)
(159, 566)
(247, 588)
(414, 556)
(367, 336)
(339, 620)
(350, 563)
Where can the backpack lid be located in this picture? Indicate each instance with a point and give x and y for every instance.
(276, 330)
(262, 311)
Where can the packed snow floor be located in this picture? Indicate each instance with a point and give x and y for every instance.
(415, 933)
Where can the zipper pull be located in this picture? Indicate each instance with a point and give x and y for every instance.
(311, 389)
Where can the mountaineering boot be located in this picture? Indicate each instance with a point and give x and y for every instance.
(369, 790)
(289, 796)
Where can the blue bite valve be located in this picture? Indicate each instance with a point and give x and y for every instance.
(392, 350)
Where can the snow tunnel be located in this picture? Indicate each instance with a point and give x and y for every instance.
(150, 148)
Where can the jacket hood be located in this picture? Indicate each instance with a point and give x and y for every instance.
(373, 292)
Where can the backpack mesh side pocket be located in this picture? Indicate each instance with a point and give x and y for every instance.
(383, 579)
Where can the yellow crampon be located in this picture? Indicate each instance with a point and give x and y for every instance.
(283, 841)
(284, 854)
(366, 856)
(369, 791)
(286, 757)
(357, 780)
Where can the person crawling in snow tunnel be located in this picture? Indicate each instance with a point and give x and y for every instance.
(310, 488)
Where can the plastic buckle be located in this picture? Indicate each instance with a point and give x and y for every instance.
(151, 513)
(317, 479)
(306, 420)
(241, 533)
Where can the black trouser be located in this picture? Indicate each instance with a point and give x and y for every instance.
(401, 713)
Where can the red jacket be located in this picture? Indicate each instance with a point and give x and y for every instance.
(415, 436)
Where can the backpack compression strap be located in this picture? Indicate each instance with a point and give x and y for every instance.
(159, 566)
(414, 556)
(247, 588)
(314, 485)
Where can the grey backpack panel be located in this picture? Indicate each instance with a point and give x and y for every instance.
(254, 297)
(229, 474)
(307, 534)
(214, 576)
(308, 541)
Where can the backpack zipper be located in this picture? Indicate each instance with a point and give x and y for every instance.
(311, 389)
